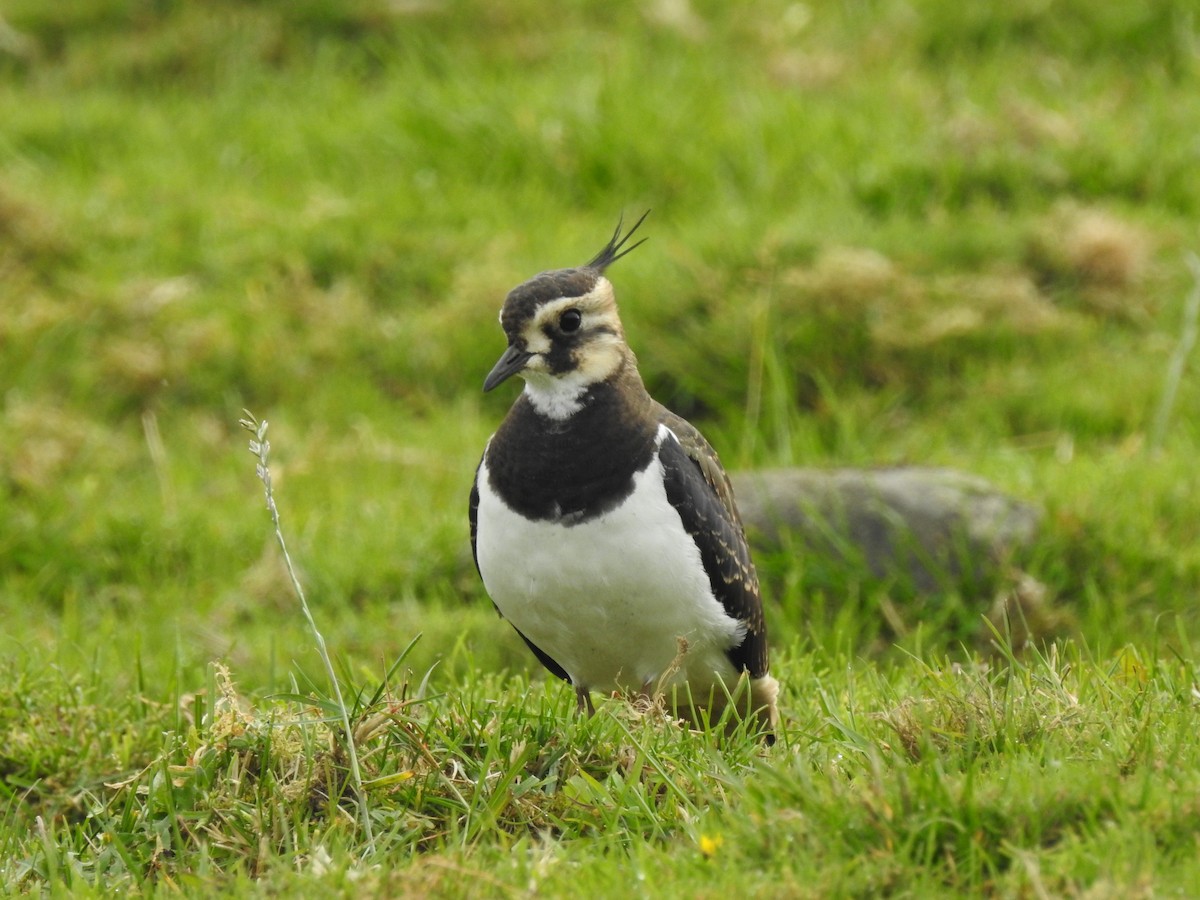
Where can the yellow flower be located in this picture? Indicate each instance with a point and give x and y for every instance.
(710, 845)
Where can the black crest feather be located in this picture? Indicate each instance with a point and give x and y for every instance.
(612, 251)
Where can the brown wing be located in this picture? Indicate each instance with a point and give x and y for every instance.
(699, 490)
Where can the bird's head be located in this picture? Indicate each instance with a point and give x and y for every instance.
(563, 330)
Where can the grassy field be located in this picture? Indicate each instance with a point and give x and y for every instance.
(883, 232)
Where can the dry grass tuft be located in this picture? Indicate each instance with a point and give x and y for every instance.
(1092, 250)
(30, 236)
(807, 71)
(1103, 250)
(853, 272)
(904, 310)
(139, 366)
(42, 442)
(924, 314)
(976, 710)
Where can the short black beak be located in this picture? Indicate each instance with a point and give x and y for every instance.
(512, 362)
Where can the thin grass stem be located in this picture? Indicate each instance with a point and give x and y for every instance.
(1183, 349)
(261, 449)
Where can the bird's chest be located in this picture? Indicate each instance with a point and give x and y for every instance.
(607, 596)
(567, 472)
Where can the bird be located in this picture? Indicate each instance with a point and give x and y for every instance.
(602, 524)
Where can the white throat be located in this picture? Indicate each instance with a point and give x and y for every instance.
(556, 398)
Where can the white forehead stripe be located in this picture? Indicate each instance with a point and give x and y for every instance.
(597, 307)
(597, 301)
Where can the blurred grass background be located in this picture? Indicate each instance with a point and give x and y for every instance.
(883, 232)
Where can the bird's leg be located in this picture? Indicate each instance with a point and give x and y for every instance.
(583, 700)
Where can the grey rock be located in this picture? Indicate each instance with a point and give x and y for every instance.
(934, 528)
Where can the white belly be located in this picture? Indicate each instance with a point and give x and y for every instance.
(608, 599)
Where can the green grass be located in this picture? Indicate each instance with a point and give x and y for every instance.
(921, 778)
(883, 232)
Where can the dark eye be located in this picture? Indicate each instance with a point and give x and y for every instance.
(570, 320)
